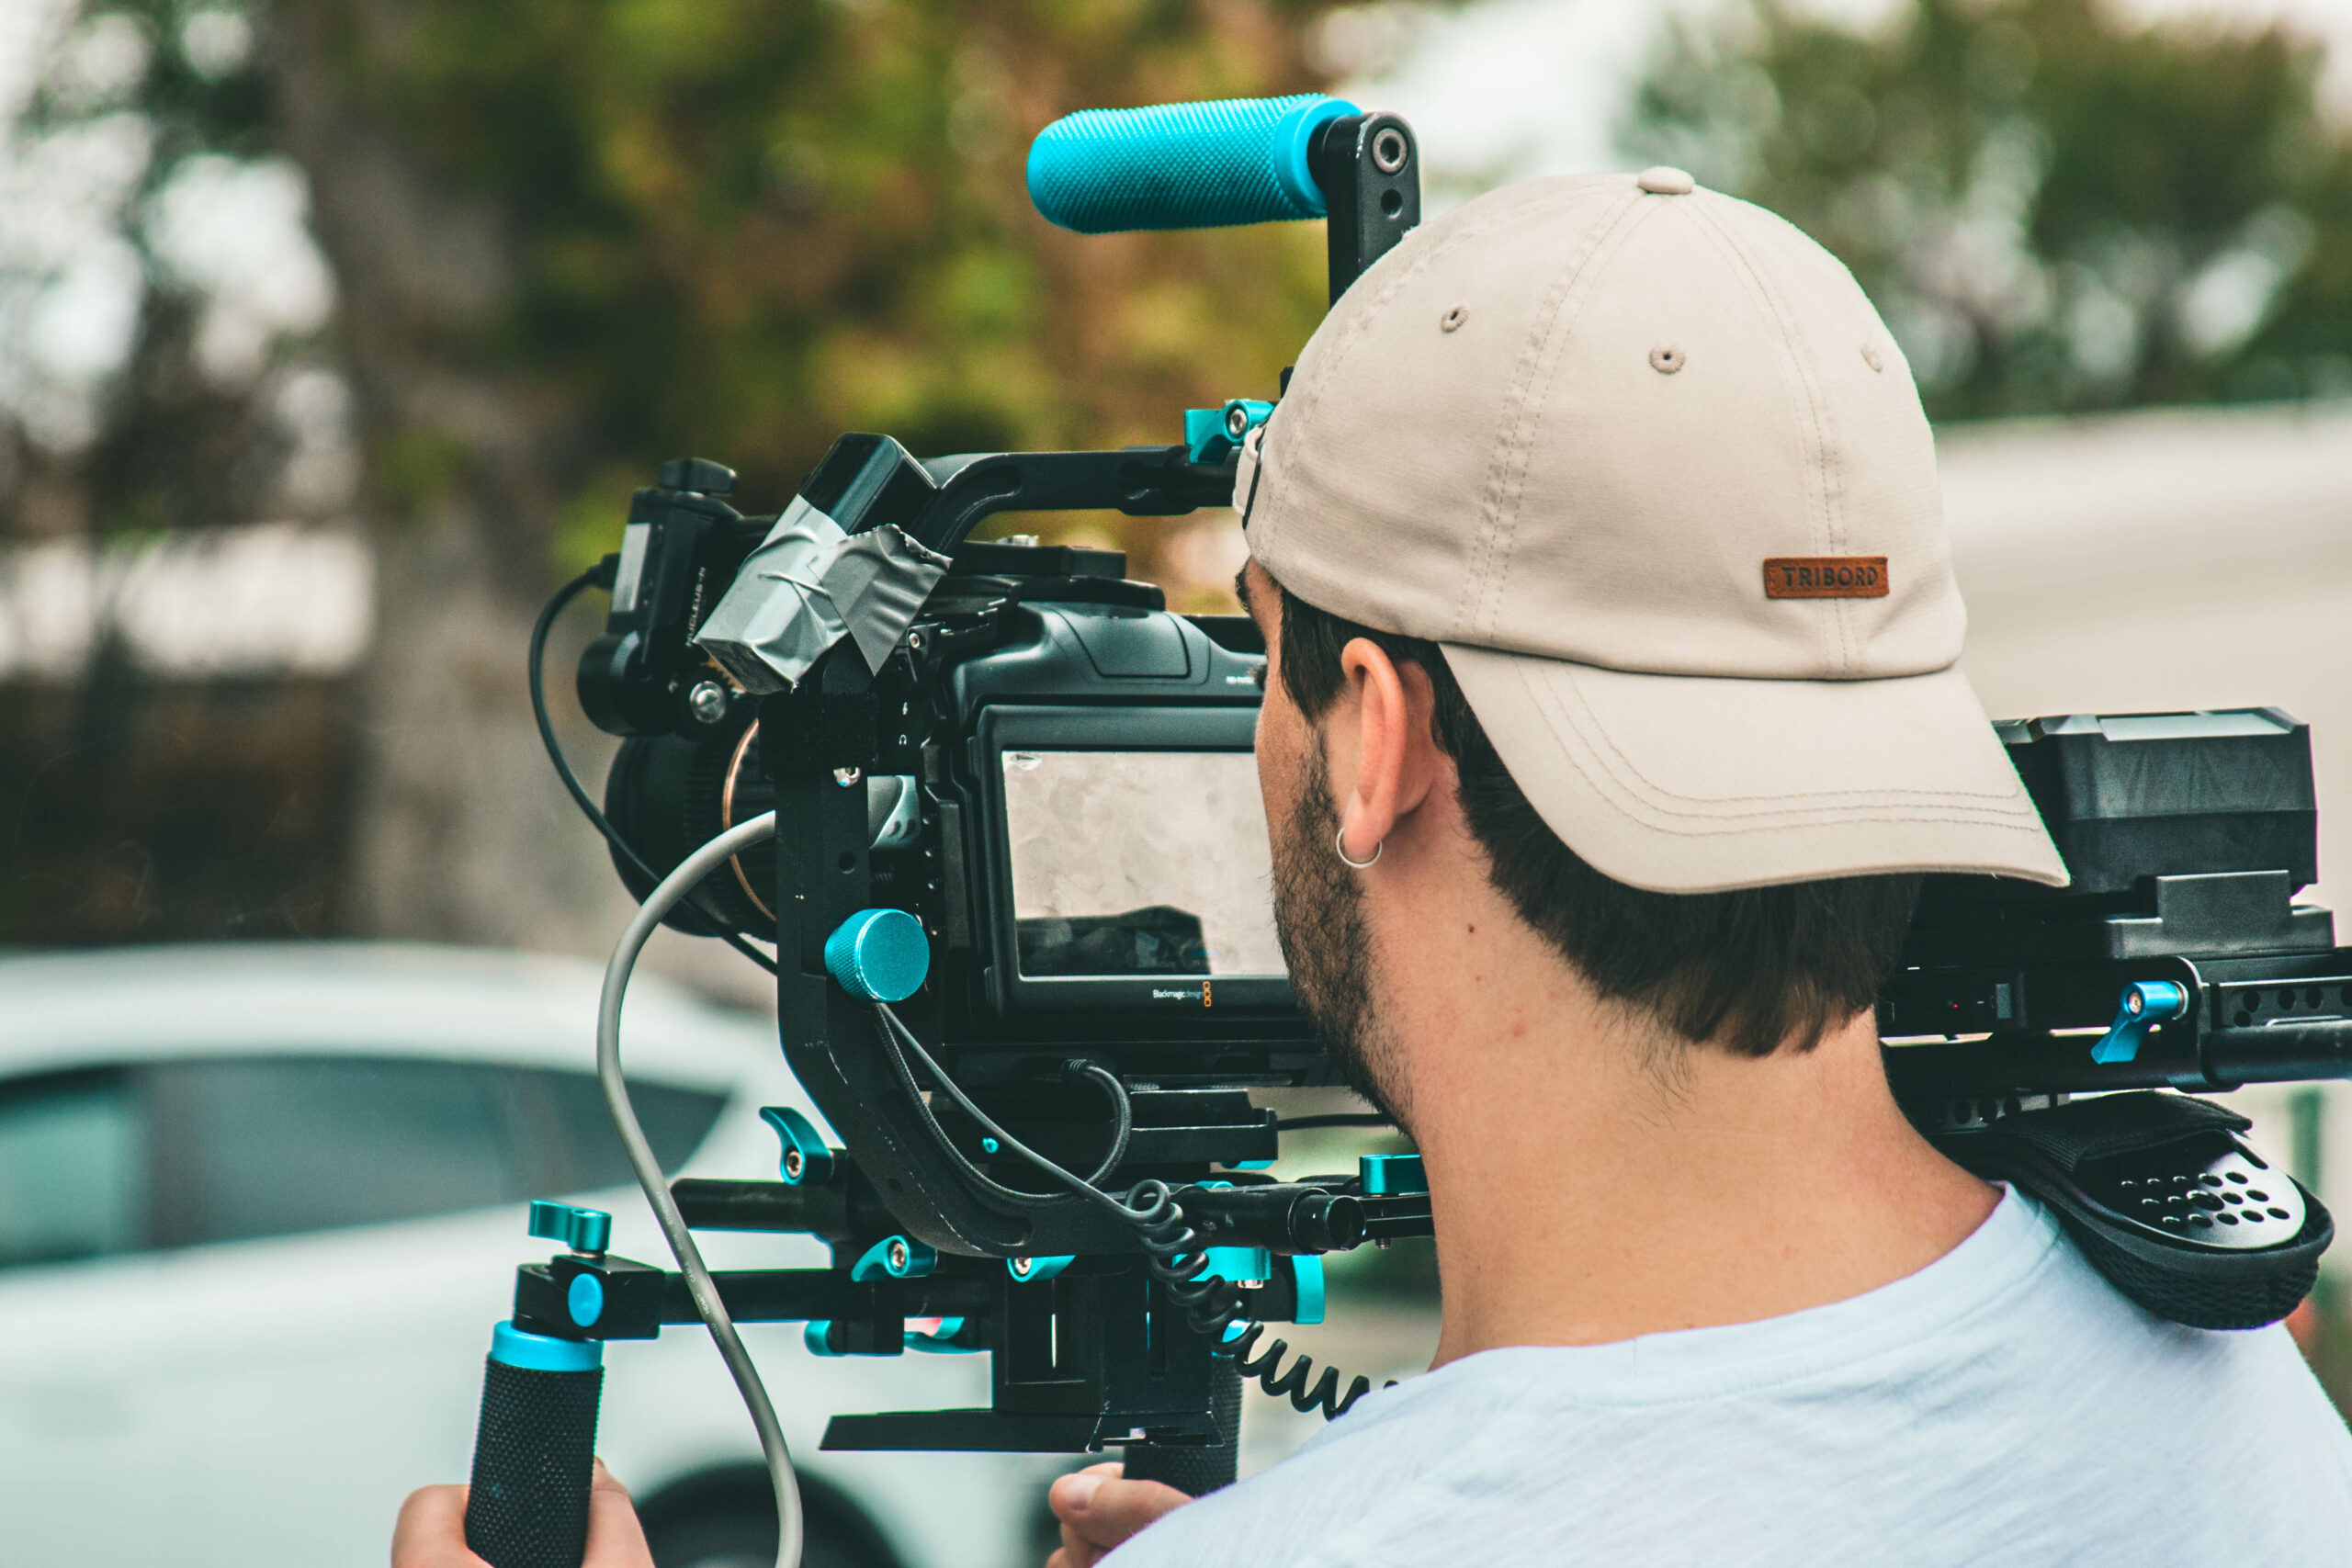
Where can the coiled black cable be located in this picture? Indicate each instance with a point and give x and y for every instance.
(1266, 1369)
(1174, 1251)
(1178, 1259)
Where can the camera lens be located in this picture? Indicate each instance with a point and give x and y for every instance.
(668, 795)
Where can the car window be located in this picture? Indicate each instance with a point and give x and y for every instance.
(564, 1136)
(276, 1145)
(73, 1167)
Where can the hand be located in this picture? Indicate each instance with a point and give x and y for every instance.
(1098, 1510)
(431, 1529)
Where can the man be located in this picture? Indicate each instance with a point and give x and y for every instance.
(1611, 719)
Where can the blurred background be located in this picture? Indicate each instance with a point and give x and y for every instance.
(334, 333)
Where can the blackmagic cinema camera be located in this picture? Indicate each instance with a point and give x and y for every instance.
(994, 807)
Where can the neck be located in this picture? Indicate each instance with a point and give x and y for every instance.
(1592, 1181)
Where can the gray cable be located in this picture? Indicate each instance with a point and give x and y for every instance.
(893, 1032)
(672, 889)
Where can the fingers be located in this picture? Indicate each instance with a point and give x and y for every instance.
(1064, 1498)
(1098, 1510)
(432, 1530)
(616, 1539)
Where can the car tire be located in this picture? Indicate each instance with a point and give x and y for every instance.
(727, 1520)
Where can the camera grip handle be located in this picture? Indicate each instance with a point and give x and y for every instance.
(535, 1451)
(1197, 1470)
(1202, 166)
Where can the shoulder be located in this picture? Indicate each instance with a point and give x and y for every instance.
(1361, 1466)
(1840, 1434)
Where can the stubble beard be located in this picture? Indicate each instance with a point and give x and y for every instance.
(1326, 941)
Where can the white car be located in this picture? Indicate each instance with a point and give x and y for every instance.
(261, 1206)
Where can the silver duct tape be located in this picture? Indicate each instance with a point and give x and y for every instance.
(808, 586)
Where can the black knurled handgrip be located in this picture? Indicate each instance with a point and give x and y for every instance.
(1196, 1469)
(534, 1455)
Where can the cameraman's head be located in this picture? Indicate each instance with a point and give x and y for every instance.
(1599, 549)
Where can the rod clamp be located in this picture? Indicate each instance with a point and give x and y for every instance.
(2143, 1005)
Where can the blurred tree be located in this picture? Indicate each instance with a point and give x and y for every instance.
(2055, 208)
(148, 805)
(571, 238)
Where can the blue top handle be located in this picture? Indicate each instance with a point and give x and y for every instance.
(1205, 165)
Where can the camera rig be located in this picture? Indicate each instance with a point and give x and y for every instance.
(848, 729)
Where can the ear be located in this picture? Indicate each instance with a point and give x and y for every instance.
(1397, 756)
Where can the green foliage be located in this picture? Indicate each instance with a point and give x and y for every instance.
(747, 228)
(174, 448)
(192, 100)
(416, 469)
(2055, 208)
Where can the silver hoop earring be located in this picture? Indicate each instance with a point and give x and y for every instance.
(1340, 842)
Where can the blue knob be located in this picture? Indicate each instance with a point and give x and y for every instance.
(940, 1341)
(806, 1160)
(587, 1231)
(1210, 434)
(1390, 1176)
(585, 1299)
(2143, 1005)
(897, 1257)
(1307, 1273)
(879, 955)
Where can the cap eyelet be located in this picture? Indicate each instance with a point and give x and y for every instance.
(1452, 320)
(1871, 358)
(1666, 360)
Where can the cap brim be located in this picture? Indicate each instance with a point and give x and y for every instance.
(1702, 785)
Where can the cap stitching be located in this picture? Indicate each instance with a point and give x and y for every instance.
(1630, 777)
(1305, 402)
(1645, 814)
(1607, 747)
(1666, 820)
(1308, 399)
(1833, 535)
(1797, 370)
(2017, 838)
(1480, 604)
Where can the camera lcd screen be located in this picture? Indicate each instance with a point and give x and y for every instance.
(1139, 864)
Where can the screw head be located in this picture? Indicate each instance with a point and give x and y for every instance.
(848, 776)
(1389, 150)
(707, 701)
(897, 1256)
(1021, 1267)
(794, 1164)
(1237, 421)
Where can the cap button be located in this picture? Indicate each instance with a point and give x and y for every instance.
(1664, 181)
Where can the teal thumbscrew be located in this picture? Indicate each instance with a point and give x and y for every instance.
(879, 955)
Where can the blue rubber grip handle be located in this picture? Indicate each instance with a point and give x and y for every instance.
(1206, 165)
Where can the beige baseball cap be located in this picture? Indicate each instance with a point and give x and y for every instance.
(1644, 461)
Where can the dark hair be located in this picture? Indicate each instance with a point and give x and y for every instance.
(1748, 969)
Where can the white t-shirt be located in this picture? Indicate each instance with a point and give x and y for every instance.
(2002, 1405)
